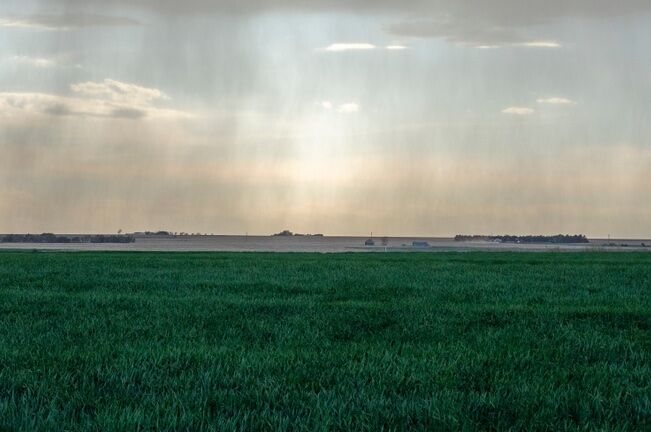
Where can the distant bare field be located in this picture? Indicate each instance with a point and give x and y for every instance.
(325, 245)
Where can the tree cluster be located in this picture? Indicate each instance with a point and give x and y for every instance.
(555, 239)
(53, 238)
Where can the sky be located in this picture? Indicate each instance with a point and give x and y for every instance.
(424, 117)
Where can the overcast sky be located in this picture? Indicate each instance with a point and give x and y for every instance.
(429, 117)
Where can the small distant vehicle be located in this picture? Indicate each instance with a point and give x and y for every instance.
(369, 242)
(420, 244)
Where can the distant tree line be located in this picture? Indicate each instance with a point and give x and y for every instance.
(168, 233)
(112, 239)
(555, 239)
(288, 233)
(53, 238)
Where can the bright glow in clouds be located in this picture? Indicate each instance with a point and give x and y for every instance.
(520, 111)
(339, 47)
(65, 22)
(19, 23)
(556, 101)
(525, 44)
(348, 108)
(542, 44)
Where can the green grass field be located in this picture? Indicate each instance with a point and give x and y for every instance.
(466, 341)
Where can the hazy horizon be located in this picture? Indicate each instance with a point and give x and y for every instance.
(316, 235)
(421, 118)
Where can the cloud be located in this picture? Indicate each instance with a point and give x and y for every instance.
(119, 92)
(348, 108)
(491, 23)
(556, 101)
(110, 99)
(504, 22)
(515, 11)
(541, 44)
(468, 31)
(339, 47)
(128, 113)
(345, 108)
(65, 22)
(55, 108)
(36, 62)
(519, 111)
